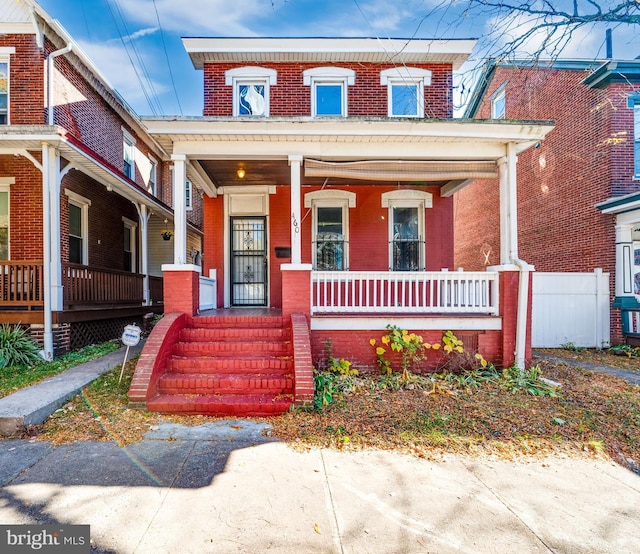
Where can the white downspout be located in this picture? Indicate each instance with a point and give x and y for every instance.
(523, 267)
(50, 61)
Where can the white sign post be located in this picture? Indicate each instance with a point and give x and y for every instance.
(130, 337)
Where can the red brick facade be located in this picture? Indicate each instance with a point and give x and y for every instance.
(291, 98)
(368, 233)
(586, 159)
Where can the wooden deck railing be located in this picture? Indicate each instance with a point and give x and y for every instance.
(21, 285)
(436, 292)
(86, 286)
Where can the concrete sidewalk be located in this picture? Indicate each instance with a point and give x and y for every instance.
(224, 487)
(34, 404)
(628, 376)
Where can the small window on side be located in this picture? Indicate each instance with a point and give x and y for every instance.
(498, 104)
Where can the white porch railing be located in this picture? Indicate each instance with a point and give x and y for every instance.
(208, 291)
(436, 292)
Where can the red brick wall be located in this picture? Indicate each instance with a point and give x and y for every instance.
(106, 228)
(290, 97)
(368, 230)
(26, 80)
(560, 182)
(25, 207)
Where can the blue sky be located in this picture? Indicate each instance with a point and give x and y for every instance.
(136, 43)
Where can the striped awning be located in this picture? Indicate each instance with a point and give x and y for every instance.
(402, 170)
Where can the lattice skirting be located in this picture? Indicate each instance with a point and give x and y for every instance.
(93, 332)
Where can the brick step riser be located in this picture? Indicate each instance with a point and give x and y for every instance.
(239, 349)
(238, 322)
(218, 406)
(247, 335)
(232, 384)
(227, 365)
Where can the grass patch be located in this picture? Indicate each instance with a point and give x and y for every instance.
(18, 377)
(593, 415)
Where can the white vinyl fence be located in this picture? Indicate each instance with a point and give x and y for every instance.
(570, 308)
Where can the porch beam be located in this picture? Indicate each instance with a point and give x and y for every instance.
(295, 161)
(179, 208)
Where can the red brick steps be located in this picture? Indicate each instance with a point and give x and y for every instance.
(228, 365)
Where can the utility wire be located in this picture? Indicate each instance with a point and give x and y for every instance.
(166, 55)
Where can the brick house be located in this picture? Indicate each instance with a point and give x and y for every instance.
(332, 167)
(84, 192)
(577, 190)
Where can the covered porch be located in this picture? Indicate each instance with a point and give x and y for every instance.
(279, 172)
(47, 292)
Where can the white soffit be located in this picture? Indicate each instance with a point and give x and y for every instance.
(328, 50)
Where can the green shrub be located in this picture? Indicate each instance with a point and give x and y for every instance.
(16, 346)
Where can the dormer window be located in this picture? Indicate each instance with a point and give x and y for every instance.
(251, 90)
(498, 103)
(405, 90)
(329, 90)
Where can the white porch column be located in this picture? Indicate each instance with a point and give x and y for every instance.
(179, 208)
(505, 243)
(625, 297)
(57, 304)
(295, 161)
(144, 215)
(48, 178)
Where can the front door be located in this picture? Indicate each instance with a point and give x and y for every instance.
(248, 261)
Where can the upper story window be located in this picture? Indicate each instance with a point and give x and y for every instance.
(251, 89)
(406, 228)
(329, 96)
(5, 53)
(330, 236)
(152, 184)
(498, 103)
(405, 90)
(128, 149)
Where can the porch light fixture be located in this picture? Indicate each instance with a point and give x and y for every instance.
(241, 173)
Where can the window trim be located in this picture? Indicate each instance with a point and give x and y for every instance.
(133, 230)
(152, 184)
(250, 75)
(5, 57)
(330, 199)
(329, 75)
(128, 144)
(408, 199)
(82, 203)
(499, 94)
(6, 187)
(415, 76)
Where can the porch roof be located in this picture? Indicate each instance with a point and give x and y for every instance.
(218, 147)
(27, 140)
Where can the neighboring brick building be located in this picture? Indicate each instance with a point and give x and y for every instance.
(333, 167)
(84, 191)
(587, 160)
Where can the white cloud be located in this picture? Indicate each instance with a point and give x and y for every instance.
(196, 16)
